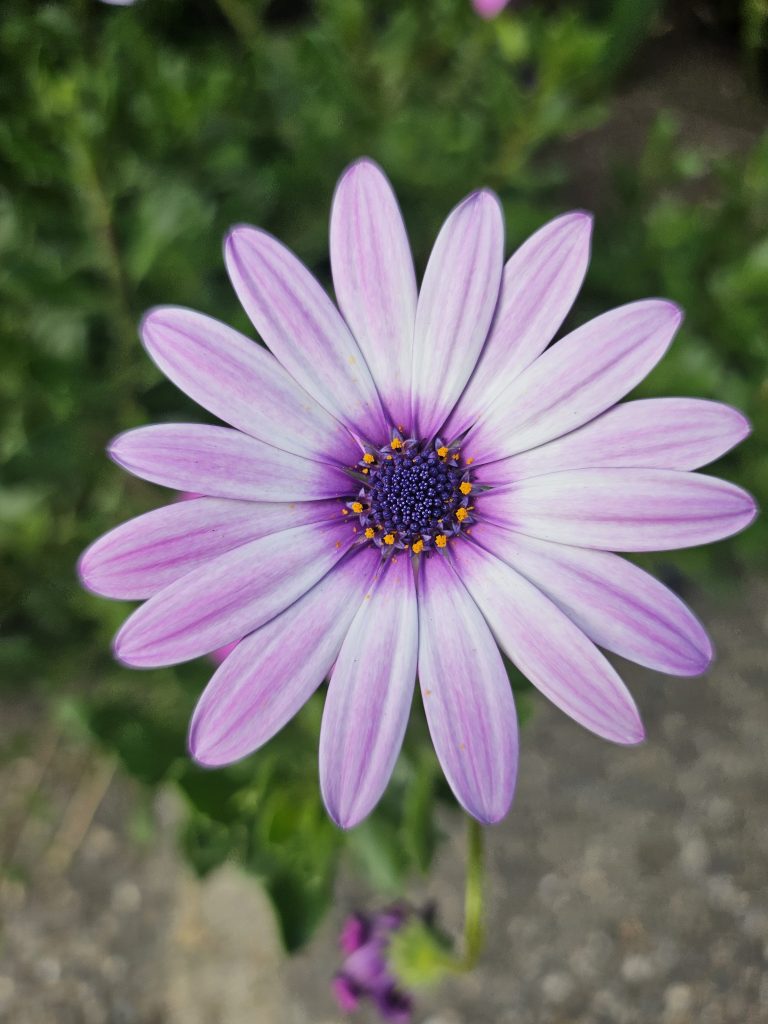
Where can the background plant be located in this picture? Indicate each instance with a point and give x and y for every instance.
(131, 140)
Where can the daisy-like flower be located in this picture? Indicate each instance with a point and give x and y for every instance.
(407, 482)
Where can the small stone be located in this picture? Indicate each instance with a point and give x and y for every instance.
(678, 1000)
(636, 969)
(48, 970)
(724, 895)
(694, 856)
(557, 987)
(126, 898)
(114, 968)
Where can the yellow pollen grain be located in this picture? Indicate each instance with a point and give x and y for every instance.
(455, 456)
(370, 533)
(396, 443)
(389, 456)
(461, 514)
(470, 461)
(357, 507)
(389, 538)
(441, 540)
(442, 452)
(364, 469)
(338, 543)
(418, 547)
(466, 487)
(368, 458)
(345, 511)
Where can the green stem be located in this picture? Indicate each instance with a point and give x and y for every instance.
(244, 21)
(474, 932)
(98, 216)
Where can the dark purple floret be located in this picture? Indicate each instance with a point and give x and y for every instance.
(416, 494)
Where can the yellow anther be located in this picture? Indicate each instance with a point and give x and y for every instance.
(389, 538)
(364, 469)
(418, 547)
(441, 540)
(442, 452)
(455, 455)
(368, 458)
(370, 533)
(389, 456)
(461, 514)
(396, 443)
(357, 507)
(466, 487)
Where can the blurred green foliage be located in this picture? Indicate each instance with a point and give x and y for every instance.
(131, 139)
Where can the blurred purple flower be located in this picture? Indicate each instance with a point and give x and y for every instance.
(413, 478)
(365, 973)
(489, 8)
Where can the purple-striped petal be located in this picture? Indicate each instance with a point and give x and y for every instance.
(654, 433)
(539, 285)
(575, 380)
(274, 671)
(230, 596)
(147, 553)
(467, 697)
(303, 329)
(243, 384)
(622, 509)
(223, 463)
(374, 280)
(548, 648)
(369, 697)
(456, 305)
(617, 604)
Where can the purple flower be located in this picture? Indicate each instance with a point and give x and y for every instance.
(409, 482)
(365, 973)
(489, 8)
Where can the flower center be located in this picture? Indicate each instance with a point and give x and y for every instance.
(415, 495)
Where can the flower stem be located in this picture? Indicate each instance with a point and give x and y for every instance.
(473, 896)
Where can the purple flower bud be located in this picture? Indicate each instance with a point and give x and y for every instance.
(354, 932)
(489, 8)
(365, 973)
(345, 993)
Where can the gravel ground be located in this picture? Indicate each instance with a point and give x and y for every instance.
(627, 886)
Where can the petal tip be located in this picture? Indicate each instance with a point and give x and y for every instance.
(237, 237)
(579, 221)
(84, 570)
(203, 754)
(634, 734)
(343, 820)
(114, 448)
(154, 319)
(362, 166)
